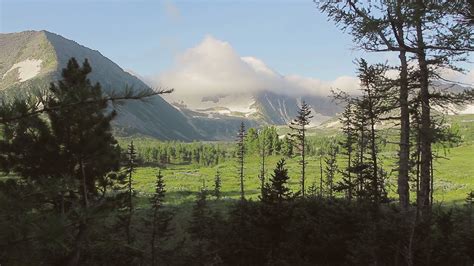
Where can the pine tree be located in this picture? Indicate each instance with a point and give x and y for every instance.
(348, 144)
(131, 165)
(361, 118)
(217, 185)
(241, 157)
(276, 211)
(331, 168)
(201, 230)
(298, 125)
(263, 146)
(88, 148)
(276, 191)
(161, 229)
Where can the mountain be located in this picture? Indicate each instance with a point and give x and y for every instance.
(262, 108)
(33, 59)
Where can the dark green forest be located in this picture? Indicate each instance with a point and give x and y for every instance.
(67, 184)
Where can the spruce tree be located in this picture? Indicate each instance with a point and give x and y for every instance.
(263, 146)
(131, 165)
(348, 144)
(241, 157)
(276, 191)
(299, 127)
(276, 211)
(331, 168)
(201, 230)
(217, 185)
(88, 148)
(161, 228)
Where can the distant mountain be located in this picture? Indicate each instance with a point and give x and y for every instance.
(33, 59)
(263, 108)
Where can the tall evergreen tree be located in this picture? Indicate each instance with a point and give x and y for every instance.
(131, 165)
(263, 153)
(348, 144)
(88, 150)
(241, 157)
(276, 211)
(276, 191)
(331, 168)
(201, 230)
(217, 185)
(299, 127)
(360, 128)
(161, 229)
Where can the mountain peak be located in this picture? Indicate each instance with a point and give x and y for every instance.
(36, 58)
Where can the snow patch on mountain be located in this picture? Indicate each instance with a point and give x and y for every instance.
(239, 104)
(469, 109)
(27, 69)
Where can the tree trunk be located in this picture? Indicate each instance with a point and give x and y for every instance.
(404, 153)
(321, 175)
(84, 184)
(349, 176)
(404, 149)
(303, 161)
(425, 131)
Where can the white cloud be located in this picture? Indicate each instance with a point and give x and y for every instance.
(213, 67)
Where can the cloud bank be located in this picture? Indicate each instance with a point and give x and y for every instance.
(214, 67)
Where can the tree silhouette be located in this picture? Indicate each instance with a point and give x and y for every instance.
(299, 127)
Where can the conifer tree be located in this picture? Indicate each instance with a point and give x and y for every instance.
(88, 148)
(131, 165)
(201, 230)
(263, 153)
(276, 190)
(241, 157)
(217, 185)
(348, 144)
(331, 168)
(276, 210)
(299, 127)
(161, 229)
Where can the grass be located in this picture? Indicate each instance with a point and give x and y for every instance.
(453, 174)
(454, 177)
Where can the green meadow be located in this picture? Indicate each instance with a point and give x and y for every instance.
(453, 171)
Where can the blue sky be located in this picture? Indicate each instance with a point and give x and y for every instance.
(290, 36)
(171, 42)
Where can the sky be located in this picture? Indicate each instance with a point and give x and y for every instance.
(165, 40)
(291, 36)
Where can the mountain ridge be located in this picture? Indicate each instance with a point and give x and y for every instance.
(155, 117)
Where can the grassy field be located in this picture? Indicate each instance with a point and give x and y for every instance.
(454, 177)
(454, 174)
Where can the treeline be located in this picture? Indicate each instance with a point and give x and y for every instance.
(159, 153)
(154, 152)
